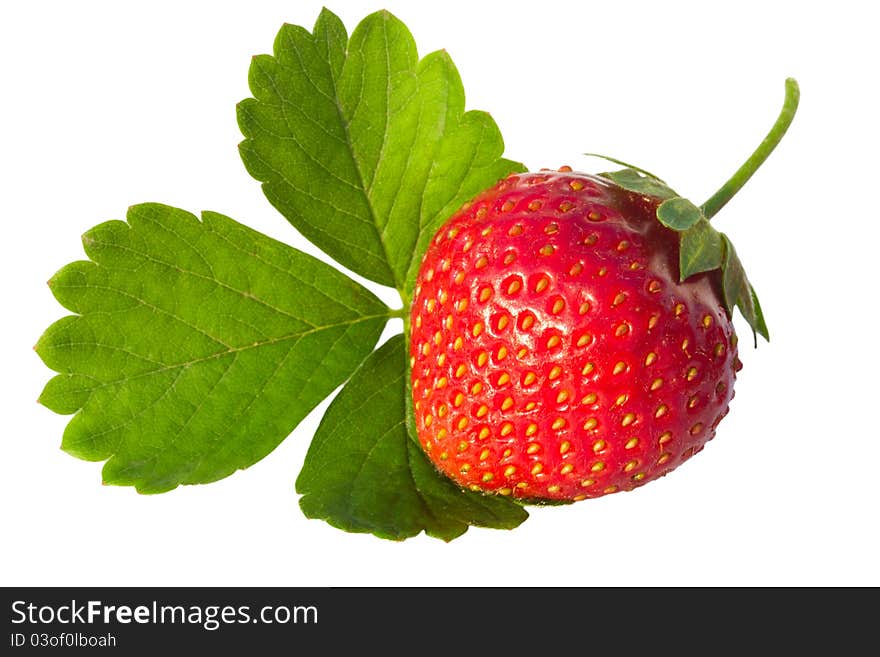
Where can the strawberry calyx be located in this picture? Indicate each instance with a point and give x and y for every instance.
(702, 248)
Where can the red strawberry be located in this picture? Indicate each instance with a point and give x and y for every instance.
(571, 335)
(555, 354)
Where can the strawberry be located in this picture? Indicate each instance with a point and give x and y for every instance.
(571, 334)
(555, 355)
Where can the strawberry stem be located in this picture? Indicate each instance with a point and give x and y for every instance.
(732, 186)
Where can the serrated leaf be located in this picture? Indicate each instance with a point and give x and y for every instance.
(678, 213)
(361, 146)
(632, 180)
(700, 249)
(197, 346)
(739, 293)
(363, 472)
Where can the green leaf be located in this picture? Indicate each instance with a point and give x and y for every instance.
(197, 346)
(678, 213)
(632, 180)
(364, 473)
(700, 249)
(362, 147)
(739, 293)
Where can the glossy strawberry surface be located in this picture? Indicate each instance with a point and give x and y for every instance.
(554, 353)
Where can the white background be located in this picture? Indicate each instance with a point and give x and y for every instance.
(106, 104)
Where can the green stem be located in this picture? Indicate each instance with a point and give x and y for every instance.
(732, 186)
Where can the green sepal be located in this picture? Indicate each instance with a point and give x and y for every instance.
(739, 293)
(678, 213)
(627, 165)
(631, 180)
(760, 323)
(699, 250)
